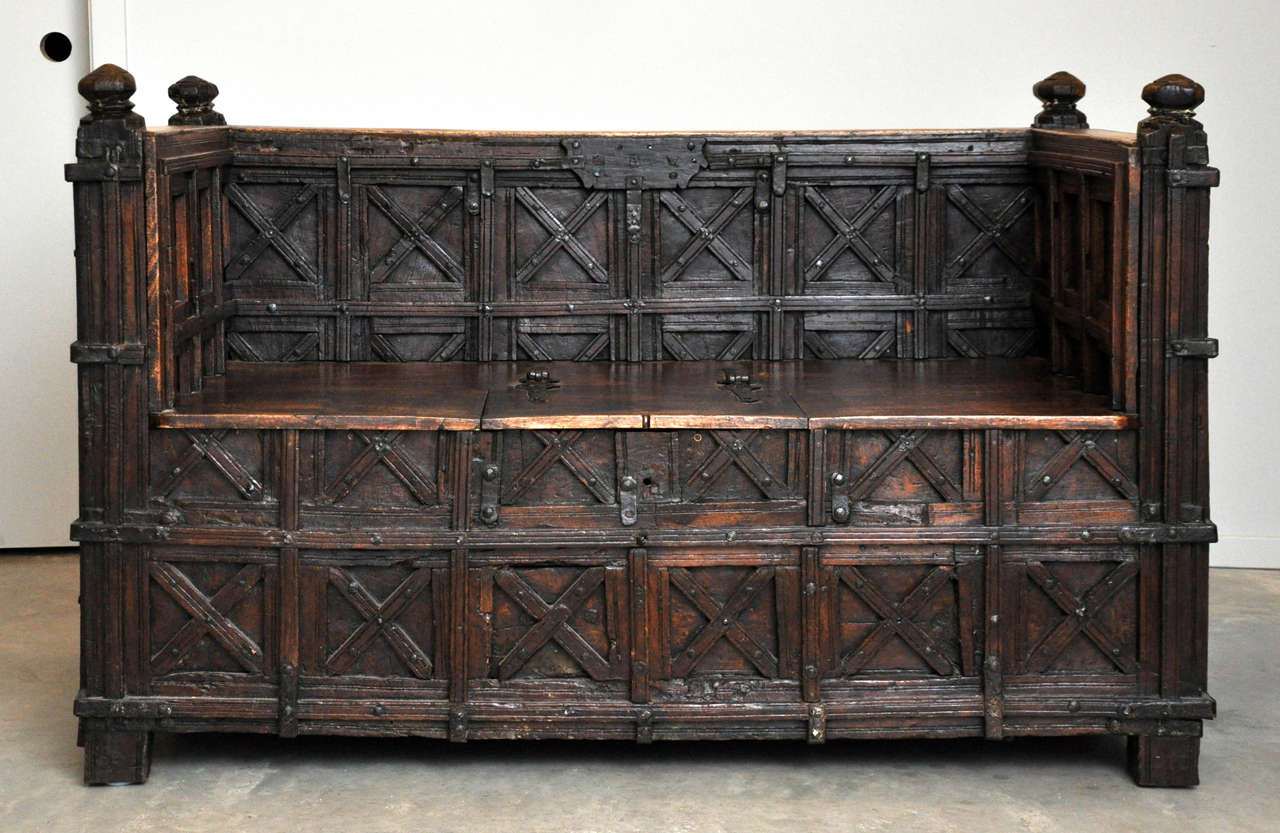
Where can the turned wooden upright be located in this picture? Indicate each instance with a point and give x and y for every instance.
(648, 436)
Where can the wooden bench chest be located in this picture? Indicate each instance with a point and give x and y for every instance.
(811, 435)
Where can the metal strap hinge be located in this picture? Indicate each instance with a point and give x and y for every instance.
(123, 353)
(1194, 348)
(1201, 533)
(817, 723)
(490, 487)
(627, 489)
(102, 171)
(644, 726)
(1205, 177)
(922, 172)
(459, 724)
(288, 717)
(779, 177)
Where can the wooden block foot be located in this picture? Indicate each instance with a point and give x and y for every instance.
(1164, 762)
(116, 757)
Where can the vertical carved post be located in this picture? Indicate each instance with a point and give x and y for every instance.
(1173, 405)
(110, 287)
(1059, 94)
(194, 97)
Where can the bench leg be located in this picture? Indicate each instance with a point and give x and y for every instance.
(116, 757)
(1164, 762)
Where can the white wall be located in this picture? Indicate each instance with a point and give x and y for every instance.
(570, 64)
(37, 274)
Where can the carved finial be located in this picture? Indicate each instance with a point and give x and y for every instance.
(1059, 92)
(1173, 99)
(194, 97)
(107, 90)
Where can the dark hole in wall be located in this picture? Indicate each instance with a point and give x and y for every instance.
(56, 47)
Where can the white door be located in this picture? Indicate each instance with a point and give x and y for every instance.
(37, 270)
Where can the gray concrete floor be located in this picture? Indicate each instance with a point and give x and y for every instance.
(310, 785)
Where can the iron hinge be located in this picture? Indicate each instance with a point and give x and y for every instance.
(288, 717)
(922, 172)
(644, 726)
(740, 385)
(655, 162)
(490, 489)
(1205, 177)
(1201, 533)
(817, 723)
(1194, 348)
(840, 509)
(627, 489)
(779, 177)
(129, 352)
(538, 384)
(459, 724)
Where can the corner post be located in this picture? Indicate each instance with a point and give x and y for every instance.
(111, 313)
(1173, 403)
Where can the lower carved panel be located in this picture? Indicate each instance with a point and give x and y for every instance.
(725, 626)
(560, 619)
(901, 612)
(1072, 613)
(211, 616)
(374, 617)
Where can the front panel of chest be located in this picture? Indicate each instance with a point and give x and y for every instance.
(604, 478)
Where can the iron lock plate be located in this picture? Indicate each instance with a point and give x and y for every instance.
(656, 162)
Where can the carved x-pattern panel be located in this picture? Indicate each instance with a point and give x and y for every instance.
(979, 333)
(737, 465)
(853, 240)
(707, 240)
(385, 629)
(905, 477)
(570, 338)
(892, 621)
(553, 621)
(1081, 617)
(1073, 612)
(724, 620)
(274, 234)
(1079, 465)
(212, 476)
(533, 474)
(560, 242)
(208, 616)
(389, 452)
(270, 339)
(848, 335)
(904, 446)
(552, 624)
(721, 337)
(419, 340)
(415, 238)
(986, 231)
(210, 447)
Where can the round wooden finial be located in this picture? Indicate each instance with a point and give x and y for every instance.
(107, 89)
(1059, 92)
(1173, 98)
(194, 97)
